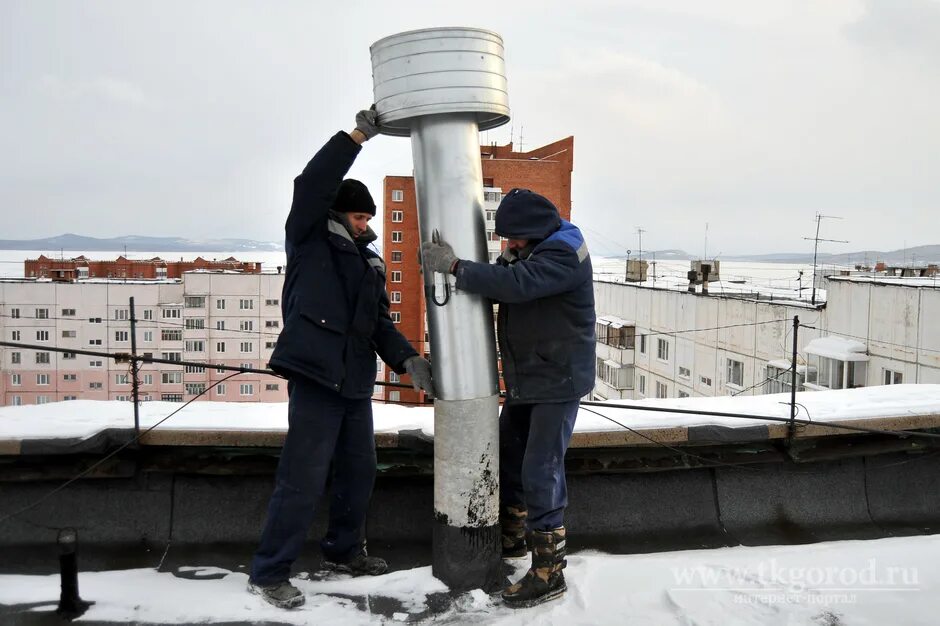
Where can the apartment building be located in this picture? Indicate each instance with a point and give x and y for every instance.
(122, 267)
(545, 170)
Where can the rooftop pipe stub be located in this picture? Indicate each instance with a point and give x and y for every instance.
(439, 70)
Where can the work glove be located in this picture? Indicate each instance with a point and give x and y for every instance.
(438, 255)
(367, 122)
(420, 371)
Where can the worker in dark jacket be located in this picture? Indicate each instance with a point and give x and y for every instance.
(544, 286)
(336, 317)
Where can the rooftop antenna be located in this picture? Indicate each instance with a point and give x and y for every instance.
(521, 128)
(705, 251)
(639, 232)
(819, 218)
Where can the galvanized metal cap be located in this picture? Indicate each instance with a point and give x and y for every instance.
(439, 70)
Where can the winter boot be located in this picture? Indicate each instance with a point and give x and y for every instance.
(360, 565)
(544, 581)
(512, 524)
(283, 595)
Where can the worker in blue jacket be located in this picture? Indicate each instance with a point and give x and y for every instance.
(336, 318)
(544, 286)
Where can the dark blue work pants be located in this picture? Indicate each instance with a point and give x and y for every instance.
(323, 427)
(533, 439)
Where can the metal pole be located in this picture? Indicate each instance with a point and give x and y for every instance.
(791, 428)
(135, 380)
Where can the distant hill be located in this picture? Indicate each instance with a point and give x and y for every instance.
(133, 243)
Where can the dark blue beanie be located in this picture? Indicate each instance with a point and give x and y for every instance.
(524, 214)
(353, 197)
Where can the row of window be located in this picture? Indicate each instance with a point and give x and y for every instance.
(189, 302)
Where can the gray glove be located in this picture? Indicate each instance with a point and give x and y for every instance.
(367, 122)
(420, 371)
(438, 255)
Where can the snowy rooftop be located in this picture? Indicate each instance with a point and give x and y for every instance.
(899, 281)
(838, 348)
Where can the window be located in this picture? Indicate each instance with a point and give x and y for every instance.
(148, 379)
(395, 297)
(42, 399)
(15, 314)
(42, 335)
(246, 389)
(396, 256)
(94, 342)
(246, 325)
(662, 390)
(396, 317)
(148, 314)
(121, 314)
(492, 196)
(642, 344)
(642, 385)
(893, 378)
(171, 378)
(614, 374)
(16, 380)
(394, 377)
(492, 236)
(398, 216)
(662, 350)
(171, 335)
(171, 397)
(69, 334)
(490, 215)
(15, 358)
(272, 324)
(194, 389)
(68, 356)
(42, 358)
(94, 320)
(246, 304)
(67, 398)
(220, 389)
(394, 396)
(42, 314)
(836, 374)
(270, 345)
(705, 380)
(120, 335)
(396, 276)
(398, 195)
(194, 323)
(15, 335)
(172, 356)
(69, 378)
(245, 346)
(194, 345)
(95, 386)
(194, 302)
(685, 372)
(219, 370)
(172, 314)
(271, 387)
(121, 379)
(94, 364)
(396, 236)
(220, 346)
(220, 324)
(148, 335)
(683, 394)
(220, 305)
(17, 401)
(780, 379)
(245, 366)
(734, 373)
(271, 302)
(194, 369)
(68, 312)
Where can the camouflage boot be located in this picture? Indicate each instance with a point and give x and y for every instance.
(544, 581)
(512, 524)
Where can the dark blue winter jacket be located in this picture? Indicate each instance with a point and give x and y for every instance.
(336, 311)
(546, 304)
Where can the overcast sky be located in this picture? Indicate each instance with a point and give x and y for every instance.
(191, 118)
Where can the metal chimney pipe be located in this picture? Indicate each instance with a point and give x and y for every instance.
(441, 87)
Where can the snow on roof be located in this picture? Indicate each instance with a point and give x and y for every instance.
(615, 322)
(783, 364)
(838, 348)
(613, 364)
(84, 418)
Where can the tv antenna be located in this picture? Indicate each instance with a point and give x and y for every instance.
(819, 218)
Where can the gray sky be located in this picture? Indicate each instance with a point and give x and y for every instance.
(191, 118)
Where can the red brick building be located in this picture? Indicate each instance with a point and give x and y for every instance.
(546, 170)
(81, 267)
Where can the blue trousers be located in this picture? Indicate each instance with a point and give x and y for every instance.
(533, 439)
(324, 427)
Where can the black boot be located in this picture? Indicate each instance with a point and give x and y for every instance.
(545, 580)
(512, 524)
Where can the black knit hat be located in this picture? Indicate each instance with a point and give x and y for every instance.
(353, 197)
(524, 214)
